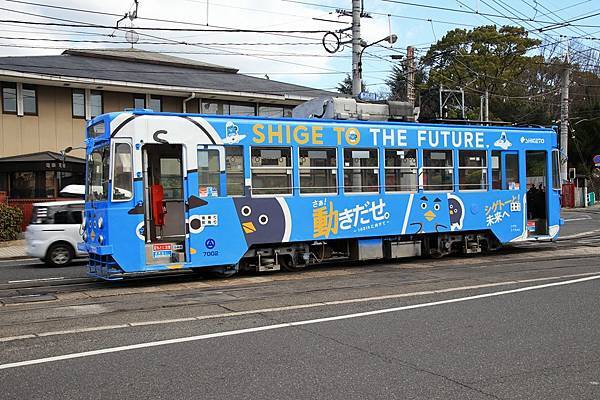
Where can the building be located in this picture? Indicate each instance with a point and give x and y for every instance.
(46, 101)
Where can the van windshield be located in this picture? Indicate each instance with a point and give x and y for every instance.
(97, 179)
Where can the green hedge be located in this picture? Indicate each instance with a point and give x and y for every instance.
(10, 222)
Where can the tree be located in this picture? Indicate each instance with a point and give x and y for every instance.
(484, 59)
(345, 86)
(397, 81)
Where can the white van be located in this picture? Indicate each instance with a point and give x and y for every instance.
(54, 231)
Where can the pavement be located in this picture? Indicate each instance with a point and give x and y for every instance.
(13, 249)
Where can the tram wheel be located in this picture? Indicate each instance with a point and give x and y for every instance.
(290, 263)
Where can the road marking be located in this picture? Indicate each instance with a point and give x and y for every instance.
(59, 278)
(587, 217)
(576, 235)
(285, 325)
(290, 308)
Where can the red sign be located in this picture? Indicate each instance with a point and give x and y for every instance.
(161, 247)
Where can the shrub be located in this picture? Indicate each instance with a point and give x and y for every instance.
(10, 222)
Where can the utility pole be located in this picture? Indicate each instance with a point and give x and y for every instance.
(487, 106)
(356, 50)
(410, 75)
(564, 116)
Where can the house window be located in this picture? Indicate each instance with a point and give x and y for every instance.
(29, 100)
(270, 111)
(9, 98)
(139, 101)
(156, 103)
(472, 169)
(96, 103)
(361, 168)
(246, 109)
(438, 171)
(271, 170)
(214, 107)
(234, 167)
(318, 170)
(78, 103)
(400, 170)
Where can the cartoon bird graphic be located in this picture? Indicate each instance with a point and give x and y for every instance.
(429, 214)
(503, 142)
(264, 220)
(456, 209)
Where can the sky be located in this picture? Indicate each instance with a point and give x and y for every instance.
(295, 57)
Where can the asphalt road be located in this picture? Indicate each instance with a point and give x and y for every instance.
(519, 324)
(576, 223)
(536, 344)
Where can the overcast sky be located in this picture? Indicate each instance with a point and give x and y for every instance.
(296, 57)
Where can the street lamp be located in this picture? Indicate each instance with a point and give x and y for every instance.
(391, 39)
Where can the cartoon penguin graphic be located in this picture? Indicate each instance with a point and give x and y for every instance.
(232, 134)
(456, 208)
(429, 213)
(503, 142)
(265, 220)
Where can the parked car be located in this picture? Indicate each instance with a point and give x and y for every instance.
(54, 231)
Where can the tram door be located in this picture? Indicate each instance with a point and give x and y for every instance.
(164, 211)
(536, 167)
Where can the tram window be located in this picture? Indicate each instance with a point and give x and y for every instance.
(271, 169)
(512, 171)
(122, 177)
(400, 170)
(209, 173)
(556, 170)
(234, 166)
(170, 178)
(496, 170)
(438, 172)
(98, 168)
(361, 170)
(472, 169)
(318, 170)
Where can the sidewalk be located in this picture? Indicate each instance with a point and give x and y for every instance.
(12, 249)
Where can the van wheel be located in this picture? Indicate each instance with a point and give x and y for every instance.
(59, 254)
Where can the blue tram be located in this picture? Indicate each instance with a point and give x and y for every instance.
(219, 194)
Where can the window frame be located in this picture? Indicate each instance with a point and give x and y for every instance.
(484, 170)
(334, 169)
(506, 154)
(243, 172)
(221, 158)
(92, 93)
(155, 97)
(139, 97)
(424, 168)
(35, 96)
(289, 172)
(375, 168)
(82, 91)
(10, 85)
(556, 176)
(112, 170)
(393, 168)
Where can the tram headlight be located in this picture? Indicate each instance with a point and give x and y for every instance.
(100, 222)
(101, 239)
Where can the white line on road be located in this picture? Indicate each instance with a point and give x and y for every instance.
(289, 308)
(285, 325)
(58, 278)
(578, 219)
